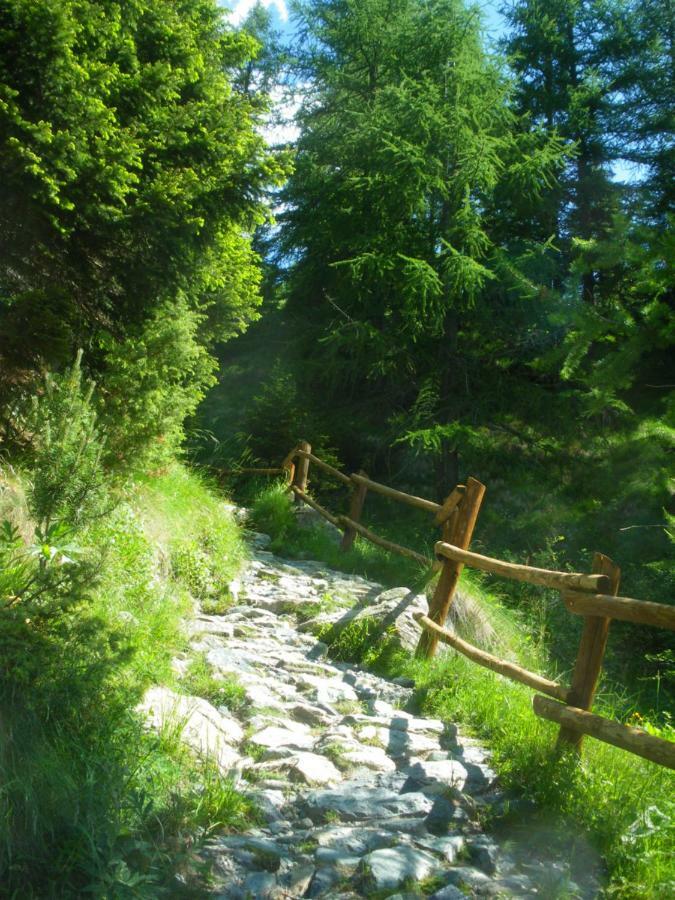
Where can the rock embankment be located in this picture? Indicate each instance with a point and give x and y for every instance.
(359, 797)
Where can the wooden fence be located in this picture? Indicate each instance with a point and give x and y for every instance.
(593, 595)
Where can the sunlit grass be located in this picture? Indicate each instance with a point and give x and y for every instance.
(91, 803)
(620, 803)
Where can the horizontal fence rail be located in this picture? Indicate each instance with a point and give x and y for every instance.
(336, 473)
(393, 494)
(641, 612)
(383, 542)
(590, 595)
(500, 666)
(529, 574)
(634, 740)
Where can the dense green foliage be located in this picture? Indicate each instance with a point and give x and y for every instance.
(90, 616)
(133, 177)
(470, 273)
(470, 280)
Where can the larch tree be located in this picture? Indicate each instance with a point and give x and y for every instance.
(408, 134)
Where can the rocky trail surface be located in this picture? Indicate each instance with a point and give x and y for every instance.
(359, 797)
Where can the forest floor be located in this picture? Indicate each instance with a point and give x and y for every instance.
(358, 796)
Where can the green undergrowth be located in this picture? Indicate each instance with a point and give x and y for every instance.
(91, 614)
(272, 513)
(611, 808)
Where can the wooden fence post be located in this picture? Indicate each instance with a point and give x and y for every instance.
(590, 654)
(288, 465)
(302, 469)
(457, 530)
(355, 507)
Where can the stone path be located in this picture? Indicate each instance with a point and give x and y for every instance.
(359, 797)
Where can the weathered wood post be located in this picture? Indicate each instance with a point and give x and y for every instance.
(302, 469)
(355, 507)
(590, 654)
(288, 465)
(457, 530)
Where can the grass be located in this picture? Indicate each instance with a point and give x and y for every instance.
(610, 806)
(272, 514)
(90, 802)
(625, 804)
(224, 690)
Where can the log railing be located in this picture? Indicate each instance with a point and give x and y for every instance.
(592, 595)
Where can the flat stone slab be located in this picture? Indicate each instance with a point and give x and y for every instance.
(275, 736)
(354, 802)
(307, 768)
(390, 867)
(398, 721)
(437, 775)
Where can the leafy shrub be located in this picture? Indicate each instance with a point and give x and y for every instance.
(68, 484)
(154, 379)
(91, 803)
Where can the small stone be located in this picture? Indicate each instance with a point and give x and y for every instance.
(484, 853)
(449, 892)
(473, 879)
(324, 880)
(310, 715)
(374, 758)
(347, 864)
(354, 802)
(297, 879)
(449, 848)
(392, 866)
(405, 743)
(201, 726)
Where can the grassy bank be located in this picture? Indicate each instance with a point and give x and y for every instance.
(612, 807)
(91, 615)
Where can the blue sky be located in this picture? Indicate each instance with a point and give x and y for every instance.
(282, 21)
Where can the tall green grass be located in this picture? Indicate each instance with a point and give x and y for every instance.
(91, 803)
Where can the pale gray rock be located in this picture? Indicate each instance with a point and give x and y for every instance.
(201, 726)
(308, 768)
(311, 715)
(398, 721)
(218, 625)
(449, 847)
(390, 867)
(261, 885)
(354, 802)
(449, 892)
(371, 757)
(405, 743)
(297, 879)
(276, 736)
(436, 776)
(352, 840)
(325, 690)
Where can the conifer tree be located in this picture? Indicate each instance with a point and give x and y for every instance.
(408, 134)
